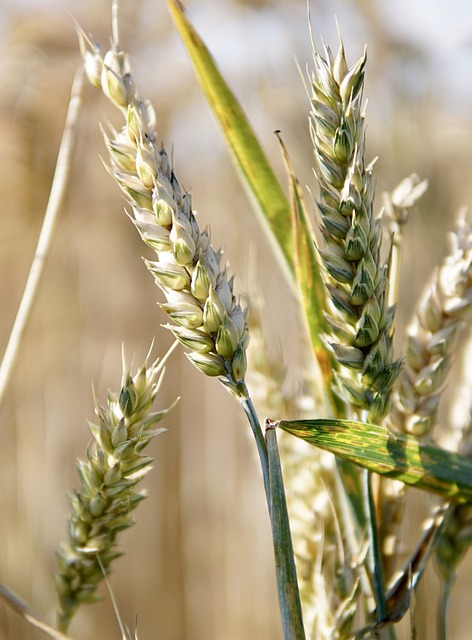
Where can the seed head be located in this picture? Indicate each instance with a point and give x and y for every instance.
(359, 318)
(199, 296)
(432, 334)
(102, 506)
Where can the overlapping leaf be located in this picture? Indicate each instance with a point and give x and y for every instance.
(248, 154)
(288, 223)
(391, 454)
(308, 271)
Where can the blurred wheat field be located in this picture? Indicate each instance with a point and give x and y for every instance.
(199, 563)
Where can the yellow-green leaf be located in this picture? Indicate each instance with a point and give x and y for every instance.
(390, 454)
(308, 271)
(248, 154)
(287, 585)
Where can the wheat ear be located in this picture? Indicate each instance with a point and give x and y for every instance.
(360, 319)
(397, 209)
(102, 507)
(359, 316)
(199, 294)
(431, 338)
(397, 206)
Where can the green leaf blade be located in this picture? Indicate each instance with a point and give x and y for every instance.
(308, 275)
(250, 159)
(287, 583)
(391, 454)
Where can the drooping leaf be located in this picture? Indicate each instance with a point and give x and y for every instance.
(254, 167)
(390, 454)
(398, 594)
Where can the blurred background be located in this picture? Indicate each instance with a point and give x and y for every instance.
(199, 564)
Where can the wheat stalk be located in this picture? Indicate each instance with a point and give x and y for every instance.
(359, 316)
(199, 295)
(321, 555)
(397, 209)
(102, 507)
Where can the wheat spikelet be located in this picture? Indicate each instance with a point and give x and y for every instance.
(102, 507)
(399, 202)
(199, 296)
(360, 319)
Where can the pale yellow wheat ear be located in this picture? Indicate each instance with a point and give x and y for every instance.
(397, 208)
(432, 336)
(209, 320)
(102, 506)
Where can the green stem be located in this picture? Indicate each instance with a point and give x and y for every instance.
(253, 419)
(446, 590)
(286, 576)
(287, 583)
(373, 556)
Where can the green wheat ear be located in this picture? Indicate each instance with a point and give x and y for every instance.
(359, 316)
(102, 507)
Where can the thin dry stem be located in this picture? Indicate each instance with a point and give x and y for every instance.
(51, 217)
(26, 612)
(359, 317)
